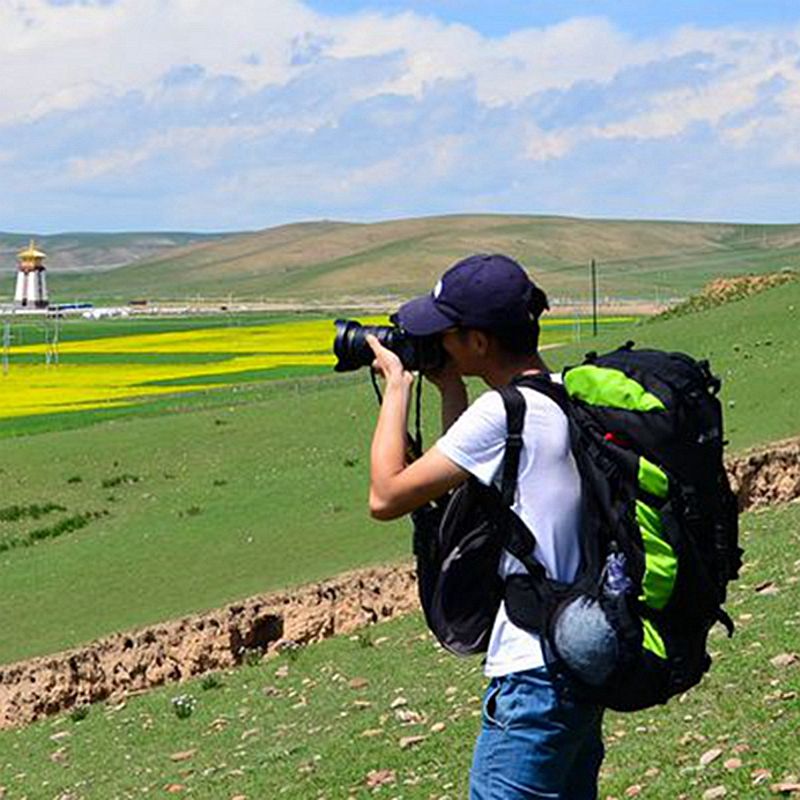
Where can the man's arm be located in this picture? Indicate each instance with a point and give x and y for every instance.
(397, 488)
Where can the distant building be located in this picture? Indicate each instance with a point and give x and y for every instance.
(31, 282)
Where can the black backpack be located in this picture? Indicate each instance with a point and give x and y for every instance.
(659, 539)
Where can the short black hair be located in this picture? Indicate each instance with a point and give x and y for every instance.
(523, 339)
(518, 341)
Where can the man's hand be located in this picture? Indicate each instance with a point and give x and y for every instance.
(448, 380)
(388, 364)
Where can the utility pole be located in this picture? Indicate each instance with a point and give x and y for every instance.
(6, 345)
(594, 298)
(47, 352)
(51, 339)
(54, 340)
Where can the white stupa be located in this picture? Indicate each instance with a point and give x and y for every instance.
(31, 282)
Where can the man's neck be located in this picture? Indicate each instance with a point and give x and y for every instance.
(502, 374)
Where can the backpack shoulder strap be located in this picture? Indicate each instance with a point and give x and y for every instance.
(515, 407)
(520, 541)
(543, 383)
(514, 403)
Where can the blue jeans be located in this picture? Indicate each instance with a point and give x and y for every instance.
(536, 742)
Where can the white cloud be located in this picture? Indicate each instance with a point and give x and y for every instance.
(745, 64)
(544, 146)
(505, 70)
(56, 57)
(585, 49)
(279, 103)
(47, 50)
(197, 146)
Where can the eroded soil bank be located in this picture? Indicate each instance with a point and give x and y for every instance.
(125, 663)
(173, 651)
(767, 475)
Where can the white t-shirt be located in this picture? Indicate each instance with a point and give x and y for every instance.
(548, 500)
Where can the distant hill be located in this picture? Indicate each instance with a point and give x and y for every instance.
(92, 252)
(335, 260)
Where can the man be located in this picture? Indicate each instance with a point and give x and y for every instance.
(537, 740)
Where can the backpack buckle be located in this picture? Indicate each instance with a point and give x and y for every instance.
(713, 383)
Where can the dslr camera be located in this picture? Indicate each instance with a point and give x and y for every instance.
(417, 353)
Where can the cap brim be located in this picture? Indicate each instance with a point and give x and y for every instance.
(421, 317)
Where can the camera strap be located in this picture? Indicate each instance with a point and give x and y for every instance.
(415, 441)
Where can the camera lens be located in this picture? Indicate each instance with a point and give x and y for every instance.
(352, 350)
(350, 345)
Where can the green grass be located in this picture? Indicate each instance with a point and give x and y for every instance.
(277, 505)
(266, 467)
(319, 722)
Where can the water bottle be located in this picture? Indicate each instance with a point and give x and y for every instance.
(616, 580)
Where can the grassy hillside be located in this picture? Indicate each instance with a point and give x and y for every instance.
(329, 260)
(334, 720)
(263, 485)
(92, 251)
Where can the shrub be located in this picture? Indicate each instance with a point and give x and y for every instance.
(364, 639)
(66, 525)
(33, 511)
(291, 649)
(252, 656)
(119, 480)
(183, 705)
(211, 682)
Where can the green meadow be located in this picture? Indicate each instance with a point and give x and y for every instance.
(184, 502)
(190, 502)
(386, 713)
(194, 501)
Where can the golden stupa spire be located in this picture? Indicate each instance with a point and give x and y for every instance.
(31, 252)
(31, 259)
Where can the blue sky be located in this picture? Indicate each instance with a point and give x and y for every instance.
(158, 114)
(500, 17)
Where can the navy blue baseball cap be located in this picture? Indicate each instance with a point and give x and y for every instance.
(489, 292)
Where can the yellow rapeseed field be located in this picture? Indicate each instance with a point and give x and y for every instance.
(32, 389)
(289, 338)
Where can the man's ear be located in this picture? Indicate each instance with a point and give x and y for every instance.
(480, 342)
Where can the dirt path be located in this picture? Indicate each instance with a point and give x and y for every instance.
(379, 305)
(129, 663)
